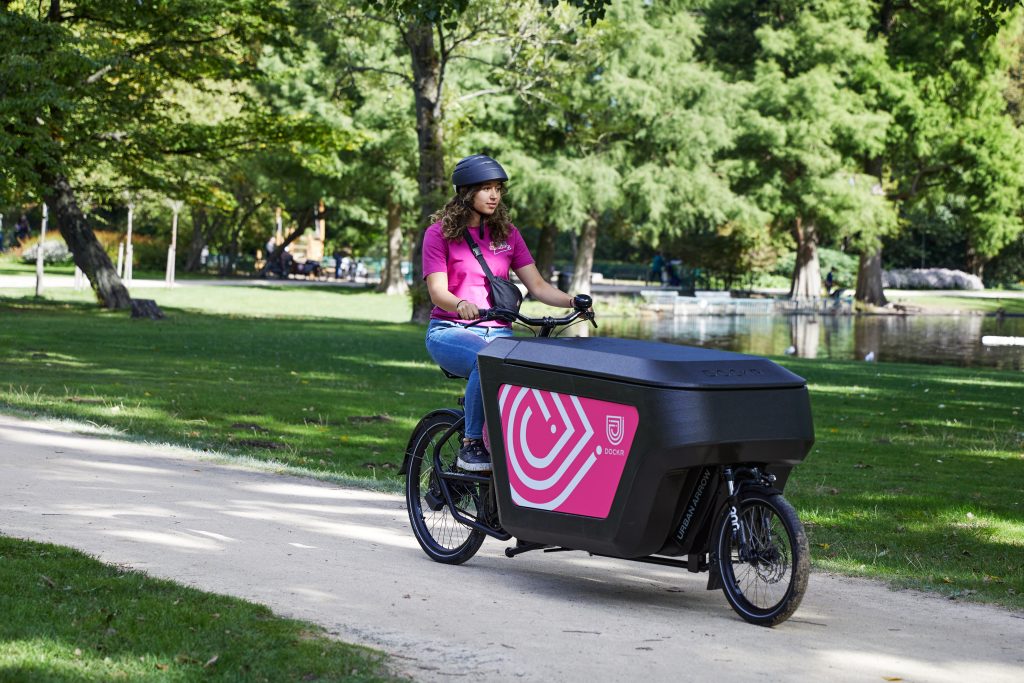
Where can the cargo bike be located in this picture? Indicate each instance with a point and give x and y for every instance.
(643, 451)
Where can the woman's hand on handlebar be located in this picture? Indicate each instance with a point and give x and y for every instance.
(467, 310)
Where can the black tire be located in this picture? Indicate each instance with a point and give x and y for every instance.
(441, 536)
(767, 586)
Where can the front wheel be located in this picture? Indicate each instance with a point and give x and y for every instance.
(764, 564)
(442, 537)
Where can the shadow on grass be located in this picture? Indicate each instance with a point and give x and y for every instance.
(322, 393)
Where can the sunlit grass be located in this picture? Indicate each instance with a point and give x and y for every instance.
(68, 617)
(904, 453)
(917, 476)
(946, 303)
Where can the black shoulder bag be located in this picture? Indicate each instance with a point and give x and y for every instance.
(505, 294)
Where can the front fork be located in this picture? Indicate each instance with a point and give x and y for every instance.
(748, 476)
(739, 532)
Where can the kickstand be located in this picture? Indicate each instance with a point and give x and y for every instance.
(523, 547)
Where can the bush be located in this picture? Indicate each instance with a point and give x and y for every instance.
(54, 251)
(930, 278)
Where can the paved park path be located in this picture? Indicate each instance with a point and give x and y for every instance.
(346, 559)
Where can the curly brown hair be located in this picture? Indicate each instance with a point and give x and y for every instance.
(454, 216)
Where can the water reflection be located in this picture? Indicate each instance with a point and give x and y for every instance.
(944, 340)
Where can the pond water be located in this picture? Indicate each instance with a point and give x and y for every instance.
(943, 340)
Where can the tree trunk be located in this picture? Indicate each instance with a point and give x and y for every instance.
(87, 251)
(975, 262)
(391, 280)
(198, 241)
(807, 269)
(869, 279)
(428, 74)
(546, 251)
(584, 264)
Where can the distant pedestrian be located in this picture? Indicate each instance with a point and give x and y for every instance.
(337, 263)
(657, 268)
(830, 281)
(22, 230)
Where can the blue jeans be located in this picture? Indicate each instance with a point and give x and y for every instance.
(454, 348)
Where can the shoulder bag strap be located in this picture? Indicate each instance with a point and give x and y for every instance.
(479, 256)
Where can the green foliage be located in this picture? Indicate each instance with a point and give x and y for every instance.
(706, 127)
(813, 114)
(956, 154)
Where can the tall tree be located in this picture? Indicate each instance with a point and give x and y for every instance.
(959, 150)
(432, 32)
(812, 117)
(85, 84)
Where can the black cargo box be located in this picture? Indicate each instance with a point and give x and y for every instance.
(650, 414)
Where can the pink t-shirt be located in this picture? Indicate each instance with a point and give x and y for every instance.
(466, 279)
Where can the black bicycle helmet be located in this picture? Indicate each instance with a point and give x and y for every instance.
(477, 169)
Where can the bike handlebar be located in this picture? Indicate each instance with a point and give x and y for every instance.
(581, 304)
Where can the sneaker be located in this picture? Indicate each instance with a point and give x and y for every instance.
(473, 457)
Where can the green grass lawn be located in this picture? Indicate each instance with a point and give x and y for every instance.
(68, 617)
(945, 303)
(917, 475)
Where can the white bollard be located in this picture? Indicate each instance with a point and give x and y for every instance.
(128, 247)
(172, 250)
(40, 248)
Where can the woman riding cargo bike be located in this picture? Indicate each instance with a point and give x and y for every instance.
(651, 452)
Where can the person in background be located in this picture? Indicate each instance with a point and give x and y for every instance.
(830, 281)
(657, 268)
(22, 230)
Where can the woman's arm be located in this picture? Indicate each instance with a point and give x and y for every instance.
(540, 289)
(437, 288)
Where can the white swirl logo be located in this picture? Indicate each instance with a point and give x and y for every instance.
(534, 477)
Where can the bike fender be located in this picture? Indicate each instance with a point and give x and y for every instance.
(754, 488)
(452, 412)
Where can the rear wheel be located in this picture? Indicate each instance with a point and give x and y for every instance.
(764, 579)
(442, 537)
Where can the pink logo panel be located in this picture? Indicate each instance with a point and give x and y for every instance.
(564, 453)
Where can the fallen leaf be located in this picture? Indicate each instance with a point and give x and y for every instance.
(211, 661)
(47, 580)
(891, 678)
(163, 667)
